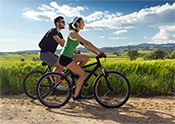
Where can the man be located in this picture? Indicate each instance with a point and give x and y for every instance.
(49, 44)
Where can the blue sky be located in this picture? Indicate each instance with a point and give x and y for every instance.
(107, 23)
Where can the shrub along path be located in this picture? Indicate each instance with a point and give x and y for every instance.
(21, 109)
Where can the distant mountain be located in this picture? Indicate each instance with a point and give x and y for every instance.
(169, 47)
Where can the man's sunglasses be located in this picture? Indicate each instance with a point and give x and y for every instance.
(62, 21)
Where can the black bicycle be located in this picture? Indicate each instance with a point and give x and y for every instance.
(111, 88)
(30, 80)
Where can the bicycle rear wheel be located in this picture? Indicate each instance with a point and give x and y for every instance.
(29, 83)
(48, 95)
(114, 89)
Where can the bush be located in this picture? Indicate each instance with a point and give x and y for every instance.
(156, 54)
(22, 60)
(133, 54)
(146, 77)
(170, 55)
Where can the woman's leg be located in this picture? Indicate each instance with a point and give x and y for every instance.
(83, 59)
(79, 71)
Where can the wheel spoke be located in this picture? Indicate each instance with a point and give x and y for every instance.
(49, 95)
(29, 83)
(112, 90)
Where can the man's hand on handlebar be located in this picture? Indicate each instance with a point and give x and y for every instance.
(77, 51)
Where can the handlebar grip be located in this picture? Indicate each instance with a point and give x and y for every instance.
(102, 56)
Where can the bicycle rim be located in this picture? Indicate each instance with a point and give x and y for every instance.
(113, 97)
(49, 96)
(29, 83)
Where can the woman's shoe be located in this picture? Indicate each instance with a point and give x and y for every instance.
(78, 98)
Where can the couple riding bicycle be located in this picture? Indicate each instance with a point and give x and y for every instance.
(67, 58)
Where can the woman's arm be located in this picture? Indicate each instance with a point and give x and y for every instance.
(86, 43)
(90, 49)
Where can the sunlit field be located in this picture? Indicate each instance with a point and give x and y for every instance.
(153, 77)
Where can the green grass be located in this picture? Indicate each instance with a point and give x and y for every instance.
(153, 77)
(17, 57)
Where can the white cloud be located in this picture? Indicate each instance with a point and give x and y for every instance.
(121, 32)
(145, 37)
(45, 7)
(165, 35)
(102, 37)
(119, 13)
(153, 16)
(48, 13)
(94, 16)
(117, 38)
(149, 17)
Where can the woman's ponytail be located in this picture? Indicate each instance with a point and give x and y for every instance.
(71, 25)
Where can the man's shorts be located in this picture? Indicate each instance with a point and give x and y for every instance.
(48, 57)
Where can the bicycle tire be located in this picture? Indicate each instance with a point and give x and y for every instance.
(87, 91)
(117, 95)
(49, 96)
(29, 83)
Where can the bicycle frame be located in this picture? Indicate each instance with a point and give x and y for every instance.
(48, 68)
(98, 65)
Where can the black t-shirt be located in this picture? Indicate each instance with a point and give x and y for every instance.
(48, 43)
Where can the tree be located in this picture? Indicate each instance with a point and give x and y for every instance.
(156, 54)
(133, 54)
(170, 55)
(22, 60)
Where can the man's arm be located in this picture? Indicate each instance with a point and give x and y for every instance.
(58, 40)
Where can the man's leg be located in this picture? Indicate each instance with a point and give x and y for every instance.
(59, 69)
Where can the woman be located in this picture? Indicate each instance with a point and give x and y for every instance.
(69, 60)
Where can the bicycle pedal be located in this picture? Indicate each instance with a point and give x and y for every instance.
(73, 87)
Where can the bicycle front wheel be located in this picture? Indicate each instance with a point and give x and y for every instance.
(50, 96)
(114, 89)
(29, 83)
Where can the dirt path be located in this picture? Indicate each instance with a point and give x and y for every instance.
(21, 109)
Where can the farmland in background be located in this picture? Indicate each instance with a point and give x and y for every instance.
(147, 77)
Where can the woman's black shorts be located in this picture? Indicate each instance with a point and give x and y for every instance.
(64, 60)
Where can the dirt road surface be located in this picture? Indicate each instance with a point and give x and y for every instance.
(19, 109)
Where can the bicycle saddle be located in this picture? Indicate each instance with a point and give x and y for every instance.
(44, 64)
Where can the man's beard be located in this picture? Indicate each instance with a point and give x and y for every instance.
(62, 27)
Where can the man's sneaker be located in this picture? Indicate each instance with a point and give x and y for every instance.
(60, 87)
(78, 98)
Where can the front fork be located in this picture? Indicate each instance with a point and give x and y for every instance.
(106, 78)
(103, 71)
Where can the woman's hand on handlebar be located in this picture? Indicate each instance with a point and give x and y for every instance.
(102, 54)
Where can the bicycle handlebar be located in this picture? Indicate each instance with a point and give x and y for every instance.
(101, 56)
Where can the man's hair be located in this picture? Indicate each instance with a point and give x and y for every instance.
(57, 19)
